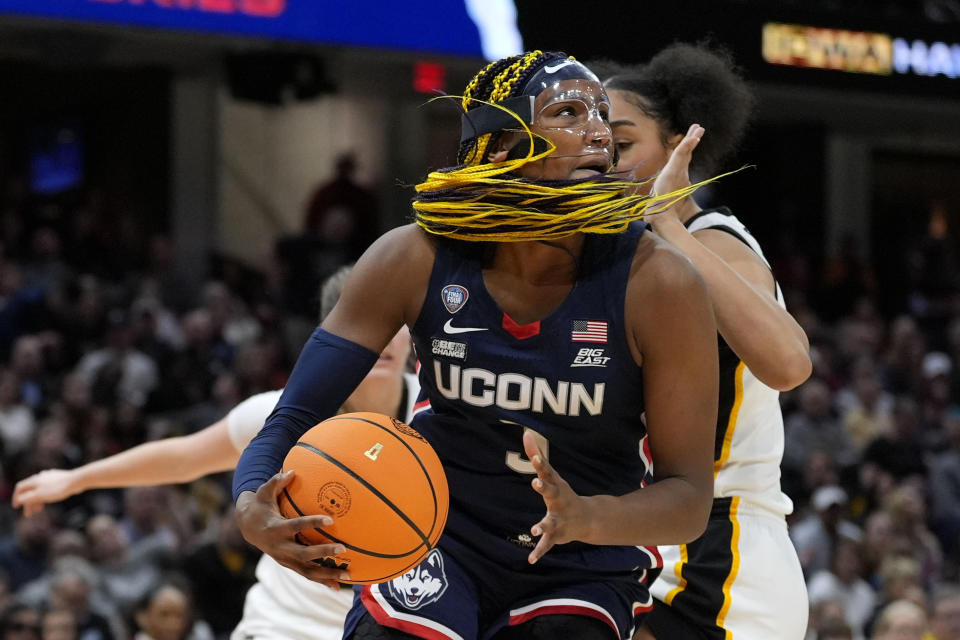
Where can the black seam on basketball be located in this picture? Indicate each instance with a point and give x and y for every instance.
(326, 456)
(366, 552)
(433, 490)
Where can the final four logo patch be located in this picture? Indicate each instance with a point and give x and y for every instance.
(454, 297)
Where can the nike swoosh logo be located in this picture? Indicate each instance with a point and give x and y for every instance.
(557, 67)
(449, 328)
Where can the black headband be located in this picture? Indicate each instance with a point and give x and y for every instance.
(489, 119)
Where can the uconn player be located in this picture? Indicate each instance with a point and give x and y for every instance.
(538, 359)
(741, 579)
(282, 605)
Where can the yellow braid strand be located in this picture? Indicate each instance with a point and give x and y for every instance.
(594, 207)
(485, 202)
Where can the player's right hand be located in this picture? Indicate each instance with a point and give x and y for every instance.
(263, 526)
(52, 485)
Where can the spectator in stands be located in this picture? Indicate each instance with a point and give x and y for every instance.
(877, 544)
(19, 622)
(814, 427)
(125, 580)
(903, 359)
(165, 614)
(17, 423)
(945, 618)
(899, 579)
(342, 213)
(901, 620)
(866, 410)
(944, 484)
(27, 363)
(58, 623)
(843, 583)
(815, 536)
(118, 371)
(148, 525)
(71, 589)
(52, 447)
(933, 271)
(20, 307)
(835, 629)
(192, 371)
(907, 508)
(23, 556)
(46, 269)
(821, 614)
(901, 451)
(221, 572)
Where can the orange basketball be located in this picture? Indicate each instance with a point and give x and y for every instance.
(382, 483)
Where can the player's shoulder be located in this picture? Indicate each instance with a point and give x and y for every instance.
(403, 244)
(399, 255)
(659, 267)
(396, 267)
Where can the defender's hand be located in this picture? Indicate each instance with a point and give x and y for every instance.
(263, 526)
(675, 175)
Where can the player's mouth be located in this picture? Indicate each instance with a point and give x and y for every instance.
(592, 165)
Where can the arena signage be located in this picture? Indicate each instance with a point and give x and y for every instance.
(857, 51)
(469, 27)
(259, 8)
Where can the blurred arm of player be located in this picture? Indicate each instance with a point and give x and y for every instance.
(213, 449)
(167, 461)
(674, 336)
(761, 332)
(384, 291)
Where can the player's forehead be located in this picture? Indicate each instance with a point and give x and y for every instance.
(586, 90)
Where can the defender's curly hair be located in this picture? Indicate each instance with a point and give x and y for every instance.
(687, 83)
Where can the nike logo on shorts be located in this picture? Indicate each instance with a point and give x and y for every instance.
(449, 328)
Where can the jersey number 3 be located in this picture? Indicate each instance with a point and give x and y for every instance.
(518, 461)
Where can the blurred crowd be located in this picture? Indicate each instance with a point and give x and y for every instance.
(103, 346)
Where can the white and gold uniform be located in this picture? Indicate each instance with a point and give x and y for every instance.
(741, 580)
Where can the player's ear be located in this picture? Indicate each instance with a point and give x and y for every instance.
(502, 148)
(497, 156)
(673, 141)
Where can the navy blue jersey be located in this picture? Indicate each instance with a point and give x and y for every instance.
(570, 377)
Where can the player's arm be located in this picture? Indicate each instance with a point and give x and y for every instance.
(167, 461)
(384, 290)
(676, 335)
(673, 332)
(761, 332)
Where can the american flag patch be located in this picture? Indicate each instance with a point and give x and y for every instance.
(589, 331)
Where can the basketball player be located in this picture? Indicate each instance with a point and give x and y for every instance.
(533, 305)
(282, 605)
(741, 579)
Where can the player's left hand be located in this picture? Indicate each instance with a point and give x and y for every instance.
(675, 175)
(566, 518)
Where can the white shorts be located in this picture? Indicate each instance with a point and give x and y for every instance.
(267, 618)
(740, 580)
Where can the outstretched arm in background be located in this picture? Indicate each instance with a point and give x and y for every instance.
(168, 461)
